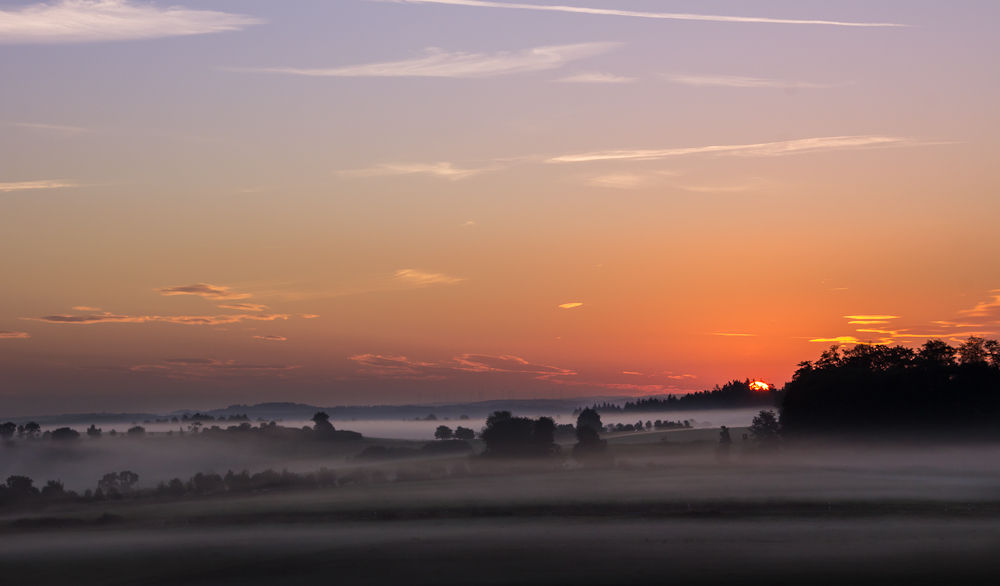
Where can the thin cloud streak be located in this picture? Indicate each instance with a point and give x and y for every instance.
(739, 82)
(422, 279)
(53, 127)
(766, 149)
(444, 170)
(25, 185)
(629, 13)
(595, 77)
(84, 21)
(13, 335)
(203, 290)
(438, 63)
(138, 319)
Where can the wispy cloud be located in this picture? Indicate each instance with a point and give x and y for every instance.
(23, 185)
(570, 305)
(618, 181)
(81, 21)
(203, 290)
(484, 363)
(176, 319)
(208, 368)
(422, 279)
(397, 367)
(402, 367)
(871, 317)
(739, 82)
(438, 63)
(595, 77)
(272, 337)
(443, 170)
(986, 307)
(633, 14)
(85, 308)
(53, 127)
(245, 307)
(13, 335)
(729, 334)
(767, 149)
(838, 340)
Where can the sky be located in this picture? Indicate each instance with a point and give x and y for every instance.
(379, 202)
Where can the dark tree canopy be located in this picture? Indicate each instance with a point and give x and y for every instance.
(764, 430)
(589, 418)
(443, 432)
(64, 434)
(507, 436)
(589, 444)
(890, 390)
(464, 433)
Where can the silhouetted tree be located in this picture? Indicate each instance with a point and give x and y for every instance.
(21, 486)
(137, 431)
(765, 430)
(724, 438)
(127, 479)
(30, 430)
(589, 444)
(443, 432)
(53, 488)
(64, 434)
(589, 418)
(464, 433)
(322, 421)
(93, 431)
(7, 430)
(518, 437)
(882, 390)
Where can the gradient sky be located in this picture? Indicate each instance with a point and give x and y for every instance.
(365, 202)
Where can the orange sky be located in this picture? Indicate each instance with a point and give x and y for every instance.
(247, 202)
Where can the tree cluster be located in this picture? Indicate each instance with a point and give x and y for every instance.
(875, 389)
(507, 436)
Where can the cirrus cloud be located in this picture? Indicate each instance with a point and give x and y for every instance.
(176, 319)
(765, 149)
(203, 290)
(83, 21)
(13, 335)
(27, 185)
(438, 63)
(635, 14)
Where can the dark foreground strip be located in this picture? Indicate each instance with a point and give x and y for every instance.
(699, 510)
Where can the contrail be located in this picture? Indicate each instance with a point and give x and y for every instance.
(661, 15)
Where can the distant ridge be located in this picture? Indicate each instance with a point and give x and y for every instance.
(301, 411)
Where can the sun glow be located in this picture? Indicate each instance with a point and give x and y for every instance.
(758, 385)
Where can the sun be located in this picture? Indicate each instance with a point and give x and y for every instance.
(759, 385)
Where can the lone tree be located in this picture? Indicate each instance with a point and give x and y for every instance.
(65, 434)
(765, 430)
(589, 444)
(7, 430)
(443, 432)
(322, 423)
(590, 418)
(464, 433)
(94, 431)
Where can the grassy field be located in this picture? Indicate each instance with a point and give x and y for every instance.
(667, 512)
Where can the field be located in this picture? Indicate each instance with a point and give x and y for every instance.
(668, 511)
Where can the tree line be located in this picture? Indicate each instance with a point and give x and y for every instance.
(732, 395)
(875, 389)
